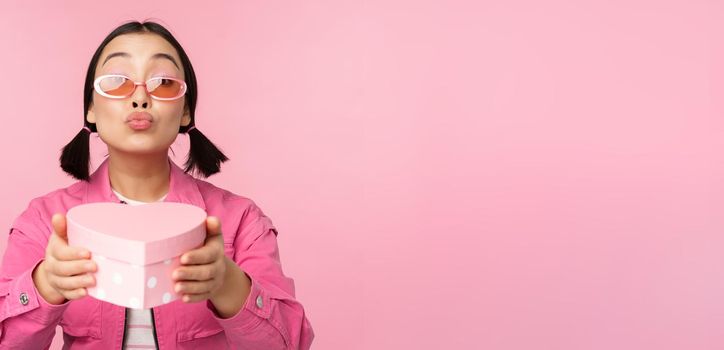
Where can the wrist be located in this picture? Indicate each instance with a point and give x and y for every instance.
(230, 276)
(230, 297)
(47, 292)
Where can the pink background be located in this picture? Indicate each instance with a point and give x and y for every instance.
(444, 174)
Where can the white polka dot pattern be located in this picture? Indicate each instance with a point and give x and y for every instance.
(134, 303)
(148, 286)
(117, 278)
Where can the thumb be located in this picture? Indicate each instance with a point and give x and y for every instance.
(213, 226)
(60, 226)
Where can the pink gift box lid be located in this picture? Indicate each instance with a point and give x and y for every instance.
(139, 234)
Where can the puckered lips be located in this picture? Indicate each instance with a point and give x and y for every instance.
(139, 120)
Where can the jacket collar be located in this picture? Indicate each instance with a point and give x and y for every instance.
(182, 188)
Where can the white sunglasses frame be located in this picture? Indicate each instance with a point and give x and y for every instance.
(97, 87)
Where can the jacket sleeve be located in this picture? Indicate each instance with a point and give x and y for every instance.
(270, 318)
(27, 321)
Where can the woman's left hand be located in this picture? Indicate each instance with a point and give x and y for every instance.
(203, 270)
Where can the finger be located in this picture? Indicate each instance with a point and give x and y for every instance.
(205, 255)
(62, 251)
(75, 293)
(195, 273)
(60, 226)
(213, 226)
(73, 267)
(195, 298)
(74, 282)
(193, 287)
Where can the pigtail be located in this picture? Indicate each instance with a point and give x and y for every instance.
(204, 157)
(75, 158)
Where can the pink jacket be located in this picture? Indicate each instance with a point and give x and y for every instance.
(271, 318)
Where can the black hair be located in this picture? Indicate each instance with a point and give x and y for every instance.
(204, 157)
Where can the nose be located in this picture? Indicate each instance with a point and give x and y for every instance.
(140, 97)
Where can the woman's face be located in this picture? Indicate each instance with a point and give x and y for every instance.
(137, 56)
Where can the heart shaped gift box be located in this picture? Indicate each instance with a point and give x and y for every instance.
(136, 248)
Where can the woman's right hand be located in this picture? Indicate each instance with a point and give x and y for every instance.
(64, 274)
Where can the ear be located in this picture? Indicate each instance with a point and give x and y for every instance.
(91, 116)
(186, 117)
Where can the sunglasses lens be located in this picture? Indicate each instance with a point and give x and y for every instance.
(116, 86)
(165, 88)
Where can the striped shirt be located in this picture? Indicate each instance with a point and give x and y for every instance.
(139, 324)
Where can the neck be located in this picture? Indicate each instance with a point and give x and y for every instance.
(143, 178)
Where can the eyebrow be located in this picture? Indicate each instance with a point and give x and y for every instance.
(156, 56)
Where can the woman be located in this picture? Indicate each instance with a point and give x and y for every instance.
(140, 93)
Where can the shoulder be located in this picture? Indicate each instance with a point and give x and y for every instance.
(60, 200)
(236, 212)
(36, 216)
(215, 196)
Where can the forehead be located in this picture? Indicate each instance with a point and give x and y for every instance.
(141, 47)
